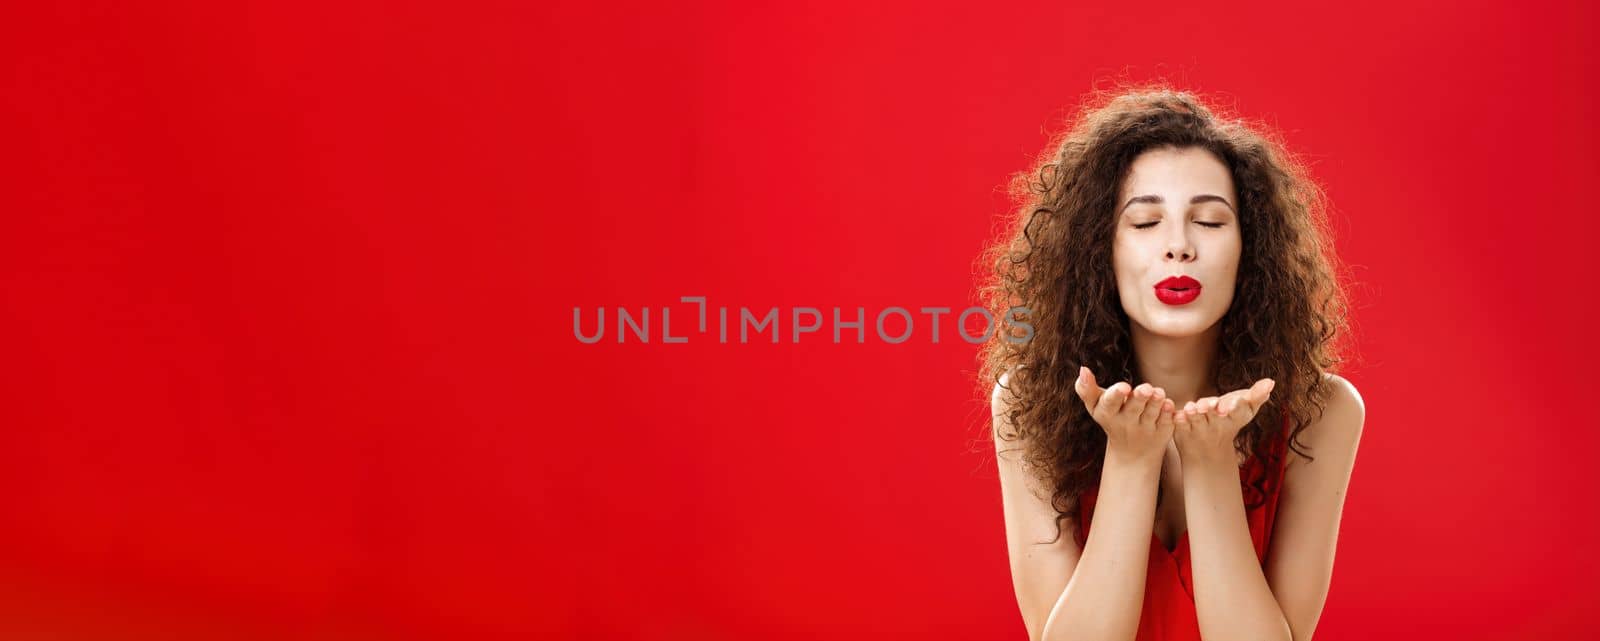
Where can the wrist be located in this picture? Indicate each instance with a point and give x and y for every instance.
(1209, 457)
(1124, 457)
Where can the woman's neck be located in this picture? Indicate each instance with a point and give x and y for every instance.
(1179, 365)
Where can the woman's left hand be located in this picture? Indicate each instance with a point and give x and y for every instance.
(1205, 429)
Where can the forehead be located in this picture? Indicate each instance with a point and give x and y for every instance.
(1177, 172)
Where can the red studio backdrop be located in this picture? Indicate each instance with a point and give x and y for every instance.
(289, 293)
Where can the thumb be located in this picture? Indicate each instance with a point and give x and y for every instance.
(1261, 390)
(1087, 388)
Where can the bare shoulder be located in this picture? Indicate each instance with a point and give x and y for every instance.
(1337, 432)
(1344, 393)
(1001, 402)
(1003, 396)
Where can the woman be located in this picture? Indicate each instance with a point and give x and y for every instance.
(1182, 258)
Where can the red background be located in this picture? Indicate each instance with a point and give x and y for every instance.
(288, 294)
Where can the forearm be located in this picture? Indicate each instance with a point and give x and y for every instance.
(1232, 598)
(1103, 599)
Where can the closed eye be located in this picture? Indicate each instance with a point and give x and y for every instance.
(1153, 224)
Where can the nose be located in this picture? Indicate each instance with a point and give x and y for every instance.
(1178, 245)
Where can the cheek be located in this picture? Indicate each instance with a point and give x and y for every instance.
(1124, 274)
(1226, 252)
(1121, 259)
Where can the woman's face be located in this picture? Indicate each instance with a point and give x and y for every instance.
(1177, 217)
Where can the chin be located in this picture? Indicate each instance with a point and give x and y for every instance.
(1184, 333)
(1176, 328)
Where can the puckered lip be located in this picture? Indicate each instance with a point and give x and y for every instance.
(1178, 282)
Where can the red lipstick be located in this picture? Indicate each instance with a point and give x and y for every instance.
(1178, 290)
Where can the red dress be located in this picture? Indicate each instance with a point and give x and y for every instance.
(1169, 612)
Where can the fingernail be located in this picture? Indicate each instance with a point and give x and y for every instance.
(1271, 384)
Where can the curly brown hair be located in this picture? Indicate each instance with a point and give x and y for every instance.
(1286, 321)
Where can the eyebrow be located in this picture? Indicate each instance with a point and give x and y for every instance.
(1156, 200)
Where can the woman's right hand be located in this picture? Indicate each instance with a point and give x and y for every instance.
(1138, 421)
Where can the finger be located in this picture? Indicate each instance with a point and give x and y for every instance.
(1136, 400)
(1248, 400)
(1086, 389)
(1152, 406)
(1261, 391)
(1248, 404)
(1232, 401)
(1233, 405)
(1114, 398)
(1165, 416)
